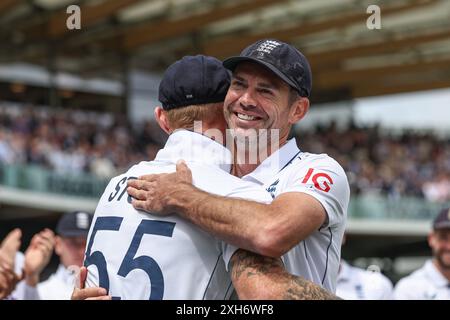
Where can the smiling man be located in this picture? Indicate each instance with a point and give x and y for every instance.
(134, 255)
(432, 281)
(305, 222)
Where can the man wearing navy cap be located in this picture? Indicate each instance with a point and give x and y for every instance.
(71, 230)
(135, 255)
(432, 281)
(305, 222)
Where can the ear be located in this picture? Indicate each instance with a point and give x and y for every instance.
(161, 118)
(431, 239)
(298, 110)
(58, 245)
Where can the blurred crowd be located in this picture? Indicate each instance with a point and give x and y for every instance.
(73, 141)
(396, 165)
(103, 144)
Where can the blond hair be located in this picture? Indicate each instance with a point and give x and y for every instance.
(183, 118)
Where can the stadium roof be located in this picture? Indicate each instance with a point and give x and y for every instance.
(410, 52)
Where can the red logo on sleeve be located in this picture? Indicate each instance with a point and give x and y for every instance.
(322, 181)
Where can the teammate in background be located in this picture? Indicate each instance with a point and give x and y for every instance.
(21, 272)
(8, 279)
(72, 230)
(135, 255)
(358, 284)
(305, 222)
(432, 281)
(8, 251)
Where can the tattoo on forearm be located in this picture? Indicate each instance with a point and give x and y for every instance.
(299, 288)
(252, 264)
(290, 287)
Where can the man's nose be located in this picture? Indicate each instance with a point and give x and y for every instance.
(247, 100)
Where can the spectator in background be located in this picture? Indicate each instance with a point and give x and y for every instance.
(8, 279)
(438, 189)
(72, 141)
(20, 273)
(358, 284)
(8, 250)
(378, 162)
(432, 281)
(101, 144)
(72, 231)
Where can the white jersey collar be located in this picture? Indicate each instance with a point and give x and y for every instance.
(435, 275)
(194, 147)
(273, 164)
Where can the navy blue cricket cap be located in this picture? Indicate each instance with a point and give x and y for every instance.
(282, 59)
(193, 80)
(442, 220)
(74, 224)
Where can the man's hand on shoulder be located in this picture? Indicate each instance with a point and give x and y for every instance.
(159, 193)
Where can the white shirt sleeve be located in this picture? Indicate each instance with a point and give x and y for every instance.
(382, 287)
(388, 291)
(407, 290)
(325, 180)
(228, 250)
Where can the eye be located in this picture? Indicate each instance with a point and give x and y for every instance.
(266, 91)
(237, 83)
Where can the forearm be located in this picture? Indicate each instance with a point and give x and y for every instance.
(259, 277)
(32, 280)
(267, 229)
(239, 222)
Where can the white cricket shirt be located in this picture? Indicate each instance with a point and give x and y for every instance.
(290, 170)
(137, 255)
(426, 283)
(59, 286)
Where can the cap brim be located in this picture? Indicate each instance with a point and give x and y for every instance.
(73, 234)
(232, 62)
(441, 225)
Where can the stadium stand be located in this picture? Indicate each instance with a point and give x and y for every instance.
(73, 101)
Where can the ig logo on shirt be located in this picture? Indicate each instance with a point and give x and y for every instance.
(321, 181)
